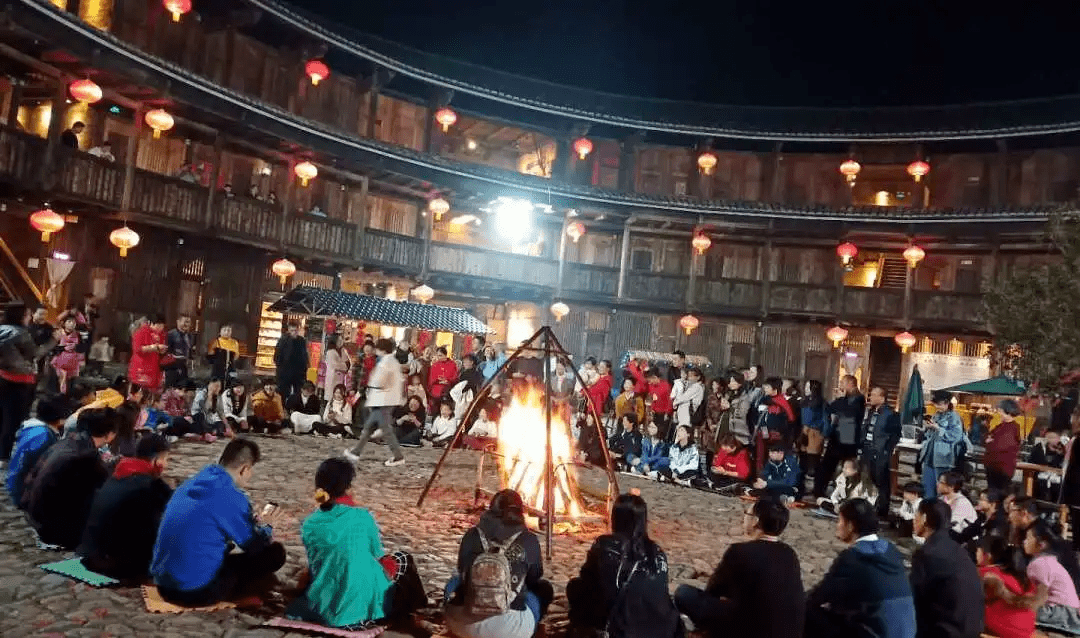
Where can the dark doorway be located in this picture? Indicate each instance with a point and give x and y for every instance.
(886, 365)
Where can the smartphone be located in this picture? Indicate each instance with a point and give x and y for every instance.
(269, 508)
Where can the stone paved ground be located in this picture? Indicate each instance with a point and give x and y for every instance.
(693, 527)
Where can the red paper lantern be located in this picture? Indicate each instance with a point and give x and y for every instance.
(914, 254)
(284, 269)
(918, 169)
(446, 117)
(583, 146)
(47, 221)
(701, 243)
(85, 91)
(850, 169)
(707, 162)
(317, 71)
(159, 120)
(905, 340)
(847, 251)
(689, 323)
(575, 231)
(836, 334)
(177, 8)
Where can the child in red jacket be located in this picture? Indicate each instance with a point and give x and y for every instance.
(659, 393)
(731, 465)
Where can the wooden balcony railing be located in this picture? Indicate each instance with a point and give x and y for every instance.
(590, 281)
(741, 296)
(381, 248)
(250, 217)
(665, 289)
(810, 299)
(873, 302)
(328, 236)
(478, 262)
(954, 307)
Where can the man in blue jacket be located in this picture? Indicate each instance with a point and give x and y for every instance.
(33, 439)
(780, 476)
(207, 515)
(866, 593)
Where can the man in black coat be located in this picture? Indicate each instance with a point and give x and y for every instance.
(756, 591)
(948, 592)
(61, 487)
(844, 433)
(882, 433)
(291, 360)
(123, 523)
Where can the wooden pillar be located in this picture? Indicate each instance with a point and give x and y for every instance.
(425, 257)
(208, 219)
(230, 56)
(429, 123)
(776, 177)
(693, 175)
(766, 273)
(379, 77)
(131, 155)
(999, 195)
(362, 221)
(628, 162)
(909, 283)
(56, 123)
(560, 166)
(695, 259)
(624, 258)
(14, 100)
(562, 256)
(287, 202)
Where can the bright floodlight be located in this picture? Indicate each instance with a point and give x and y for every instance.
(513, 217)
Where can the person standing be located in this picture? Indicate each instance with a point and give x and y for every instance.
(882, 435)
(944, 581)
(17, 380)
(757, 590)
(386, 391)
(1003, 446)
(336, 361)
(70, 137)
(222, 354)
(180, 347)
(845, 432)
(866, 593)
(443, 374)
(43, 334)
(291, 360)
(944, 434)
(147, 346)
(675, 370)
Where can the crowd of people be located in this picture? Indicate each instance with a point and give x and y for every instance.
(87, 472)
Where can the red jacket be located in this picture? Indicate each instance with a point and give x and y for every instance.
(640, 385)
(738, 462)
(661, 396)
(445, 368)
(1010, 611)
(599, 392)
(1002, 448)
(144, 368)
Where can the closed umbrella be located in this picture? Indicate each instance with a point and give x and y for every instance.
(911, 411)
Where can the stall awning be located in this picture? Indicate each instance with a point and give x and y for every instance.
(995, 386)
(307, 300)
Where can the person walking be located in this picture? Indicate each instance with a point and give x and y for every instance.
(291, 360)
(386, 391)
(17, 380)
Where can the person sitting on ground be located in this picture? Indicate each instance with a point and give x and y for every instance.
(416, 388)
(61, 486)
(909, 504)
(176, 403)
(991, 520)
(622, 588)
(110, 397)
(950, 488)
(780, 476)
(126, 437)
(123, 523)
(237, 406)
(625, 445)
(731, 465)
(350, 582)
(207, 516)
(33, 440)
(337, 418)
(685, 460)
(654, 453)
(267, 412)
(589, 442)
(409, 422)
(1061, 612)
(946, 585)
(1012, 598)
(629, 402)
(208, 411)
(1022, 513)
(304, 409)
(865, 593)
(756, 590)
(443, 427)
(854, 481)
(499, 589)
(483, 434)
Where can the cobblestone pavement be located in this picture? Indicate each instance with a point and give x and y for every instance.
(693, 527)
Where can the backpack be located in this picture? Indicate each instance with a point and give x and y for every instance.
(699, 412)
(491, 589)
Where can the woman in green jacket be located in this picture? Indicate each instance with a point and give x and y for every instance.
(352, 583)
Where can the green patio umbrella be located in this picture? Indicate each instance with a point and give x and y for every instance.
(1000, 385)
(913, 407)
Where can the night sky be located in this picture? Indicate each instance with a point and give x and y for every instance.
(775, 52)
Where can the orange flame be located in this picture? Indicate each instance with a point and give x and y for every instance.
(523, 454)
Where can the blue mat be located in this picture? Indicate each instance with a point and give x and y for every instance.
(73, 568)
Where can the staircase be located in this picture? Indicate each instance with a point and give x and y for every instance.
(15, 282)
(885, 367)
(892, 273)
